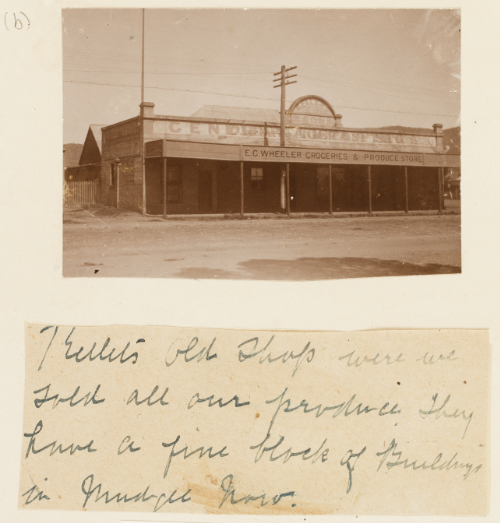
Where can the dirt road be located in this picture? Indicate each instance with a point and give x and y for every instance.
(129, 245)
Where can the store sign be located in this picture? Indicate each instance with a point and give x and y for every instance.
(300, 135)
(247, 153)
(274, 154)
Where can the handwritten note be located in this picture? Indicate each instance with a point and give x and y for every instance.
(17, 21)
(160, 419)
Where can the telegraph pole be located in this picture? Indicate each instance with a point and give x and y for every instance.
(283, 80)
(142, 70)
(143, 161)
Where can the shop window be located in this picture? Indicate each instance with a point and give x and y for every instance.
(257, 178)
(112, 177)
(174, 184)
(322, 183)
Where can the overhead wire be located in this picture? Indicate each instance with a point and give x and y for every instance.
(251, 97)
(170, 72)
(433, 100)
(332, 82)
(178, 73)
(158, 59)
(380, 92)
(389, 89)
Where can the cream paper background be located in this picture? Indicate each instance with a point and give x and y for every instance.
(349, 406)
(32, 288)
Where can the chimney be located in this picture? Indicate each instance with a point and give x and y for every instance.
(438, 131)
(147, 109)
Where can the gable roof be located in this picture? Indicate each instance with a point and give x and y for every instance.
(96, 131)
(92, 148)
(72, 153)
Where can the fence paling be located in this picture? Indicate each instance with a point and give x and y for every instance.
(77, 194)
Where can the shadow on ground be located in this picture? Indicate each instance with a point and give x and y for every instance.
(317, 269)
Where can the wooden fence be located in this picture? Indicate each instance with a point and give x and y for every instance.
(80, 194)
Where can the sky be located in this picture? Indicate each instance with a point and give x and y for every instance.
(376, 67)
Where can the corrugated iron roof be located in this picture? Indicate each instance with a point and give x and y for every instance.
(248, 114)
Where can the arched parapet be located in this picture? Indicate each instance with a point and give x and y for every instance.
(312, 111)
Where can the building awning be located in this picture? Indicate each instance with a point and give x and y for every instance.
(250, 153)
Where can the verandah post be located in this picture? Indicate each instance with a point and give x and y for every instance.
(117, 185)
(440, 188)
(406, 190)
(288, 189)
(242, 192)
(330, 188)
(370, 189)
(164, 188)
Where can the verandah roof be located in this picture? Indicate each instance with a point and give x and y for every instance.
(231, 152)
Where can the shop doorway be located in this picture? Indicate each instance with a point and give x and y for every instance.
(204, 191)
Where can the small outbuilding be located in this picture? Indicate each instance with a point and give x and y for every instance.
(90, 162)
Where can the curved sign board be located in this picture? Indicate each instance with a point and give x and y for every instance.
(311, 111)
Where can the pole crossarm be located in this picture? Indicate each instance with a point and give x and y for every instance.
(286, 77)
(283, 80)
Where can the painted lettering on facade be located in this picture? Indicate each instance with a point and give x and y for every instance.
(345, 157)
(241, 134)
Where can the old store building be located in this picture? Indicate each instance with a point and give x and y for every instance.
(229, 160)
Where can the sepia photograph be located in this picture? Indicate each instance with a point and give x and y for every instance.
(261, 144)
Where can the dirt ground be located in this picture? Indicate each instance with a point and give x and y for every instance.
(108, 243)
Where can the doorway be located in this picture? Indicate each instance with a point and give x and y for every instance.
(204, 191)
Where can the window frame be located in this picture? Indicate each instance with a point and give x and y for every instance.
(257, 184)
